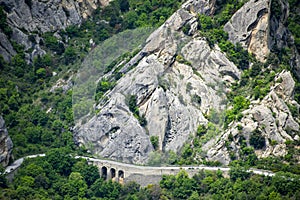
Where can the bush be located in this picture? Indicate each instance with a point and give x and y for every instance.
(70, 55)
(154, 159)
(257, 140)
(239, 173)
(132, 104)
(103, 86)
(240, 103)
(53, 44)
(154, 141)
(41, 73)
(201, 130)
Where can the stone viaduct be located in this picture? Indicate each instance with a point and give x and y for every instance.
(143, 175)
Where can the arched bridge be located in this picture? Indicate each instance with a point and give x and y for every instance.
(111, 172)
(144, 175)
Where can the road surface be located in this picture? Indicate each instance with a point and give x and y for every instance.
(16, 164)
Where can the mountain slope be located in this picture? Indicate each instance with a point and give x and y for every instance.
(29, 19)
(179, 78)
(182, 79)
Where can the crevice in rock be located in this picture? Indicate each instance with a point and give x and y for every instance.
(229, 73)
(146, 98)
(167, 133)
(259, 15)
(113, 130)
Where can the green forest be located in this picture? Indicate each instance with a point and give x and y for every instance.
(25, 99)
(59, 176)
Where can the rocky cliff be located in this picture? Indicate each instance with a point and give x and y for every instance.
(30, 18)
(260, 31)
(257, 29)
(268, 119)
(249, 26)
(6, 144)
(261, 27)
(179, 79)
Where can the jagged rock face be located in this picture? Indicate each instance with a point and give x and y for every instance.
(38, 16)
(6, 144)
(271, 116)
(171, 94)
(249, 26)
(6, 49)
(257, 29)
(279, 34)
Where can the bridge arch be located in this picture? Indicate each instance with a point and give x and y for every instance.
(112, 173)
(121, 174)
(103, 172)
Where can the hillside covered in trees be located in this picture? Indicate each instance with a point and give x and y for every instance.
(206, 88)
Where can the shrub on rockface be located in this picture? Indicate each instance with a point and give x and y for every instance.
(257, 140)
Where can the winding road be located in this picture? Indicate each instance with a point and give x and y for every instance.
(16, 164)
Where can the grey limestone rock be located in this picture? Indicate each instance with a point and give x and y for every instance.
(6, 144)
(176, 82)
(38, 16)
(249, 26)
(6, 49)
(271, 116)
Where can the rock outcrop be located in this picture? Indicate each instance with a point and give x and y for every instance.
(258, 29)
(177, 80)
(249, 26)
(6, 144)
(271, 117)
(6, 49)
(27, 18)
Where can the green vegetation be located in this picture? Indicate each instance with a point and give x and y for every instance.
(31, 126)
(193, 149)
(294, 22)
(132, 104)
(39, 121)
(59, 176)
(180, 59)
(241, 185)
(155, 141)
(3, 23)
(103, 86)
(212, 30)
(257, 140)
(201, 130)
(255, 83)
(240, 103)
